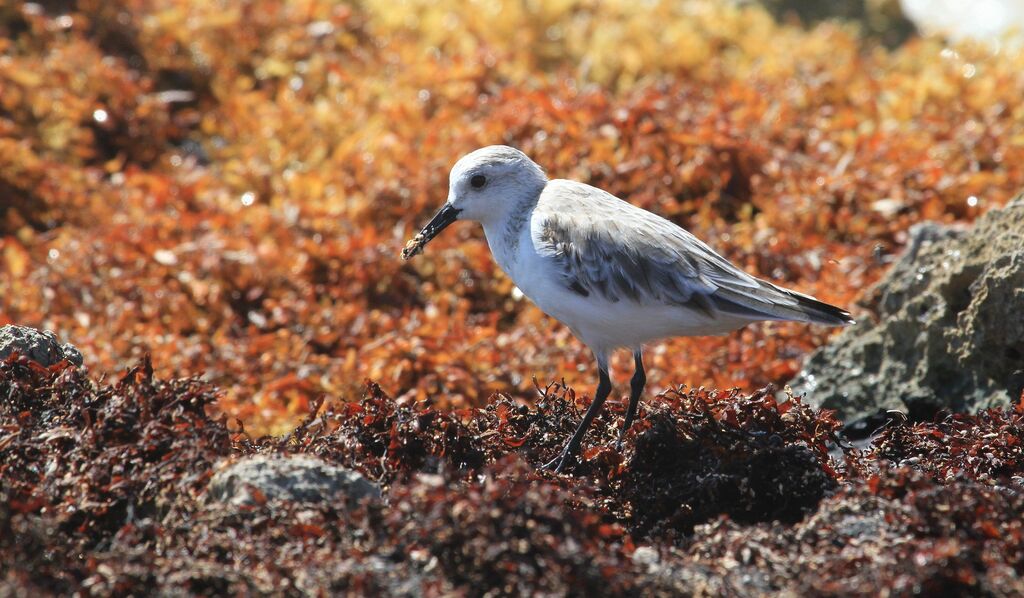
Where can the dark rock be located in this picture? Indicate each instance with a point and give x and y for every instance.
(948, 332)
(881, 19)
(302, 479)
(42, 347)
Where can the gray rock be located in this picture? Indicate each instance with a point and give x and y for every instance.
(42, 347)
(881, 19)
(948, 331)
(297, 478)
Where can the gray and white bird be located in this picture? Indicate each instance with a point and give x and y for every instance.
(615, 274)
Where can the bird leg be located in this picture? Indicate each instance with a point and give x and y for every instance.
(604, 388)
(636, 388)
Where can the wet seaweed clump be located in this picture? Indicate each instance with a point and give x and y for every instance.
(511, 533)
(82, 463)
(899, 532)
(105, 490)
(383, 439)
(987, 447)
(706, 454)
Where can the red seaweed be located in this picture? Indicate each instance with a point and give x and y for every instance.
(104, 491)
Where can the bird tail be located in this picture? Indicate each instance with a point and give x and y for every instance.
(769, 302)
(819, 312)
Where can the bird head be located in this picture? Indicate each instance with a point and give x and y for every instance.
(483, 186)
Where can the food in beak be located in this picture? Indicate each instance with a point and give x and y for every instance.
(445, 216)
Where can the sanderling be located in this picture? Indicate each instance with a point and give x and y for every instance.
(615, 274)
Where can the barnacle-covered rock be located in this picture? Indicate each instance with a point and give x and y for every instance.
(947, 331)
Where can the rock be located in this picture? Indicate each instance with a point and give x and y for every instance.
(882, 19)
(948, 332)
(298, 478)
(42, 347)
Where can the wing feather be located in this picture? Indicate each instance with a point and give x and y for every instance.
(605, 246)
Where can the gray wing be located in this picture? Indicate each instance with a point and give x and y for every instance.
(605, 246)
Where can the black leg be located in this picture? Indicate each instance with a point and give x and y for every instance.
(604, 388)
(636, 388)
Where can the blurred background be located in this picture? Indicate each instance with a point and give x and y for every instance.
(227, 185)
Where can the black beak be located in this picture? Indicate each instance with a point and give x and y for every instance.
(445, 216)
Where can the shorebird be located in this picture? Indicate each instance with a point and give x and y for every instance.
(617, 275)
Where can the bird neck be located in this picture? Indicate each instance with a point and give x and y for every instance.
(504, 233)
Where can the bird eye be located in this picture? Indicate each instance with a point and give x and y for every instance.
(478, 181)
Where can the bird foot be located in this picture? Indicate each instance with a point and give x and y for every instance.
(558, 463)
